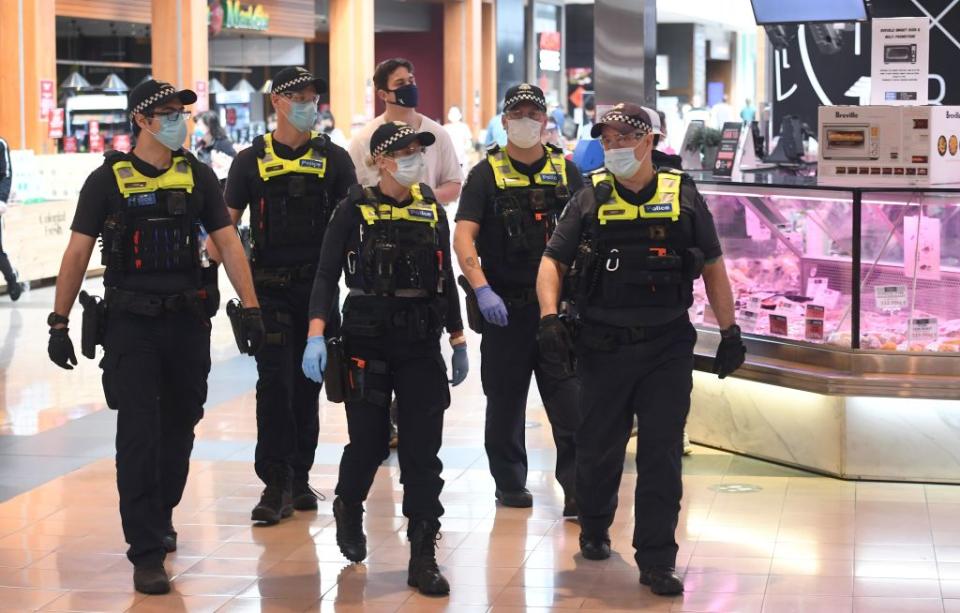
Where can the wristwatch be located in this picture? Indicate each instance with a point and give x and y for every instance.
(731, 332)
(55, 319)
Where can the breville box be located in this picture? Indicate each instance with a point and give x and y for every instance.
(886, 145)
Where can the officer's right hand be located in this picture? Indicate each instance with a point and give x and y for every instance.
(60, 348)
(253, 331)
(491, 306)
(315, 359)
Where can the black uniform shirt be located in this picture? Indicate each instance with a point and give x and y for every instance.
(343, 235)
(100, 193)
(244, 185)
(583, 206)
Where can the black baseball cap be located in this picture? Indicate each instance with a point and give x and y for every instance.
(524, 92)
(396, 135)
(151, 94)
(294, 79)
(627, 117)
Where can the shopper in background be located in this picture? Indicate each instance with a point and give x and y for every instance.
(147, 206)
(663, 155)
(460, 134)
(14, 289)
(589, 117)
(509, 206)
(723, 112)
(636, 242)
(292, 178)
(748, 113)
(211, 137)
(552, 135)
(495, 133)
(326, 124)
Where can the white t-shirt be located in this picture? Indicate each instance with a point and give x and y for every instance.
(443, 166)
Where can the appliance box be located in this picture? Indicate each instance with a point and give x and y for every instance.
(889, 145)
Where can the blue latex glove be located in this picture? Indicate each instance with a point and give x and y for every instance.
(491, 306)
(315, 358)
(460, 364)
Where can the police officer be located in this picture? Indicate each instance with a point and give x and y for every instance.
(509, 207)
(635, 241)
(392, 242)
(291, 178)
(148, 207)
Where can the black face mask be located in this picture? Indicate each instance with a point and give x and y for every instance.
(407, 96)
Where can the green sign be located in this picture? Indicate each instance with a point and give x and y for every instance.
(237, 16)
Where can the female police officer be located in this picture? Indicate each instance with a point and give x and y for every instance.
(393, 243)
(637, 240)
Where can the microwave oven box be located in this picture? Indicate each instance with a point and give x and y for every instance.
(889, 145)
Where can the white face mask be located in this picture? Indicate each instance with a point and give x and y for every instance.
(409, 169)
(622, 162)
(524, 133)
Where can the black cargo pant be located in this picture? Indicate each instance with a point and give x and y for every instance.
(508, 358)
(288, 404)
(155, 376)
(382, 362)
(6, 269)
(652, 380)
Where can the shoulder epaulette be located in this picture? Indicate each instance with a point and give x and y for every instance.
(355, 194)
(426, 192)
(602, 191)
(493, 149)
(259, 146)
(319, 143)
(112, 157)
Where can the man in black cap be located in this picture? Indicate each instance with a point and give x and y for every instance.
(292, 178)
(508, 209)
(148, 206)
(392, 242)
(634, 244)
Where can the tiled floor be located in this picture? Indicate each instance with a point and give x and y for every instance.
(794, 542)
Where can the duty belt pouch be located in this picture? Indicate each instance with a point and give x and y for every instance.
(364, 329)
(335, 376)
(359, 383)
(235, 315)
(474, 316)
(384, 273)
(297, 186)
(92, 326)
(211, 289)
(176, 203)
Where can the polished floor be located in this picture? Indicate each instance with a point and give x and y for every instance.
(753, 536)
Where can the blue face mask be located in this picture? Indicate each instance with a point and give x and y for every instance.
(302, 115)
(172, 133)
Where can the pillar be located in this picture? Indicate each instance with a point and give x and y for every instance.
(625, 51)
(462, 59)
(488, 63)
(28, 46)
(351, 60)
(179, 45)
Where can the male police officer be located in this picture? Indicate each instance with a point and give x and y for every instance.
(392, 242)
(636, 241)
(509, 207)
(292, 179)
(148, 207)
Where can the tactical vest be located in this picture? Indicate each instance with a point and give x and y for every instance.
(639, 256)
(294, 208)
(399, 247)
(512, 240)
(154, 228)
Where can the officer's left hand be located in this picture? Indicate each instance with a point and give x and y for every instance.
(315, 358)
(253, 331)
(460, 364)
(731, 353)
(555, 347)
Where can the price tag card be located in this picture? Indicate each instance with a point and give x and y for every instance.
(815, 311)
(813, 330)
(788, 307)
(890, 297)
(778, 325)
(753, 304)
(816, 286)
(748, 321)
(924, 329)
(830, 298)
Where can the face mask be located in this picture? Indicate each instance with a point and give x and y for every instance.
(198, 131)
(524, 133)
(172, 133)
(622, 162)
(407, 96)
(409, 170)
(302, 115)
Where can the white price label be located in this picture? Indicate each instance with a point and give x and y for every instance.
(924, 329)
(890, 297)
(748, 321)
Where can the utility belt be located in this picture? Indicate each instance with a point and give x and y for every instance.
(398, 293)
(154, 305)
(596, 336)
(283, 277)
(517, 298)
(367, 317)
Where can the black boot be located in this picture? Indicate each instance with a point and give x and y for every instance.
(595, 546)
(14, 289)
(350, 537)
(276, 501)
(520, 499)
(304, 496)
(151, 578)
(170, 539)
(663, 580)
(424, 574)
(570, 509)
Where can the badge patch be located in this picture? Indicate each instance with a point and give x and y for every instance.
(550, 178)
(312, 164)
(141, 200)
(658, 208)
(423, 213)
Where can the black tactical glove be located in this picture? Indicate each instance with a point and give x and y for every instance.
(730, 353)
(556, 348)
(60, 348)
(253, 332)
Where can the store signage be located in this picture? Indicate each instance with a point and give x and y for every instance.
(727, 153)
(549, 51)
(70, 144)
(900, 62)
(48, 98)
(890, 298)
(778, 325)
(121, 142)
(95, 139)
(202, 104)
(237, 16)
(55, 123)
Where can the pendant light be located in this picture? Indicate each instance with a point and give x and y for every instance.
(75, 82)
(244, 86)
(216, 87)
(114, 84)
(267, 86)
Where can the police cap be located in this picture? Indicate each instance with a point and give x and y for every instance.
(151, 94)
(397, 135)
(524, 92)
(627, 117)
(296, 78)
